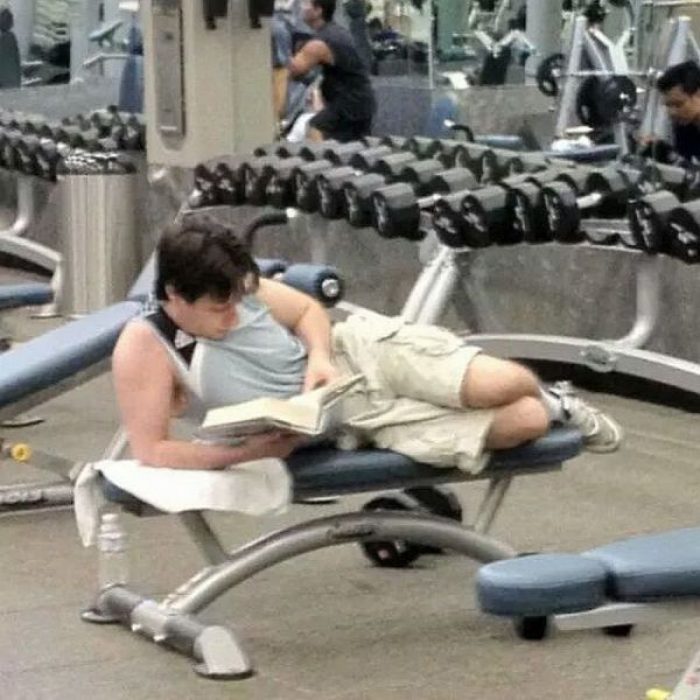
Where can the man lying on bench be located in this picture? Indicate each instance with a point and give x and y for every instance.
(222, 335)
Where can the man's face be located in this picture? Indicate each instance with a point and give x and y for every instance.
(309, 12)
(681, 106)
(206, 317)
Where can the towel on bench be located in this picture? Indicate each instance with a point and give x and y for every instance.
(259, 487)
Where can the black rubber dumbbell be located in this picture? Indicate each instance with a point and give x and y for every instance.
(684, 232)
(358, 198)
(305, 184)
(315, 150)
(255, 175)
(204, 193)
(366, 160)
(280, 191)
(391, 166)
(229, 189)
(396, 209)
(648, 217)
(573, 192)
(395, 142)
(48, 157)
(423, 146)
(331, 197)
(343, 153)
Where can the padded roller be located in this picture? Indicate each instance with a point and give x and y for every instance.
(271, 267)
(320, 281)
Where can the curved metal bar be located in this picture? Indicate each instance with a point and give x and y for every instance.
(327, 532)
(648, 283)
(26, 209)
(420, 292)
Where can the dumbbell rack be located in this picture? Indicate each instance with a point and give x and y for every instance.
(437, 284)
(588, 45)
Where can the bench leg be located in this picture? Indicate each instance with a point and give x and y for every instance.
(215, 648)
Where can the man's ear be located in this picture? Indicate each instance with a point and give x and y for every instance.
(170, 292)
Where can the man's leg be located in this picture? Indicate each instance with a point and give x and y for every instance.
(514, 391)
(522, 402)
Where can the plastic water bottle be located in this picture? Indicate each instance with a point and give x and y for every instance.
(113, 565)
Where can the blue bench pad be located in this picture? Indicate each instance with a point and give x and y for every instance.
(642, 568)
(323, 470)
(56, 356)
(652, 566)
(541, 585)
(13, 296)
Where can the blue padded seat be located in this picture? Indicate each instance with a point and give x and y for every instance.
(326, 470)
(58, 355)
(541, 585)
(329, 470)
(652, 566)
(13, 296)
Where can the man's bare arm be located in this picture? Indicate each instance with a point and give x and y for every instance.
(313, 53)
(145, 385)
(308, 320)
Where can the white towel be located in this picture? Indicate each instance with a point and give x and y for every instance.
(259, 487)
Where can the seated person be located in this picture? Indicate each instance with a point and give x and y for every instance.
(349, 103)
(221, 335)
(680, 91)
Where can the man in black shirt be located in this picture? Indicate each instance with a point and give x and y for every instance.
(346, 90)
(680, 91)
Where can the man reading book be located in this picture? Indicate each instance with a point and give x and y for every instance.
(220, 335)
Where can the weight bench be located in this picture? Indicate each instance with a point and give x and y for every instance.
(318, 472)
(613, 587)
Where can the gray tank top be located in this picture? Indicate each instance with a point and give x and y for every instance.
(259, 357)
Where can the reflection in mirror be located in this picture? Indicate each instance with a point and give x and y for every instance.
(48, 56)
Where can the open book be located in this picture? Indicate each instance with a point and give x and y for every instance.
(312, 413)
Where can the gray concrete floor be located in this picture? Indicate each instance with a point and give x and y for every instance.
(328, 626)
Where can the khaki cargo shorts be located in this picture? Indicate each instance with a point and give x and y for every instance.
(410, 401)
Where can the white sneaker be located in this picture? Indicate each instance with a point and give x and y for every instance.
(600, 432)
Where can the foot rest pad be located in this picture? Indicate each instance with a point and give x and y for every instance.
(541, 585)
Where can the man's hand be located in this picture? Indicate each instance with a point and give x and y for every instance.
(319, 371)
(277, 444)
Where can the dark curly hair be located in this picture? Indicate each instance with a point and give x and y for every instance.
(198, 256)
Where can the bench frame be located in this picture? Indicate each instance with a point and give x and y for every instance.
(172, 621)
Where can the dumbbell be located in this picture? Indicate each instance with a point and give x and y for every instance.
(423, 147)
(391, 166)
(681, 181)
(228, 188)
(128, 137)
(366, 160)
(280, 190)
(579, 190)
(305, 184)
(371, 141)
(396, 142)
(684, 232)
(9, 138)
(315, 150)
(48, 157)
(343, 153)
(72, 136)
(507, 213)
(396, 208)
(26, 148)
(331, 198)
(204, 193)
(648, 217)
(358, 198)
(255, 175)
